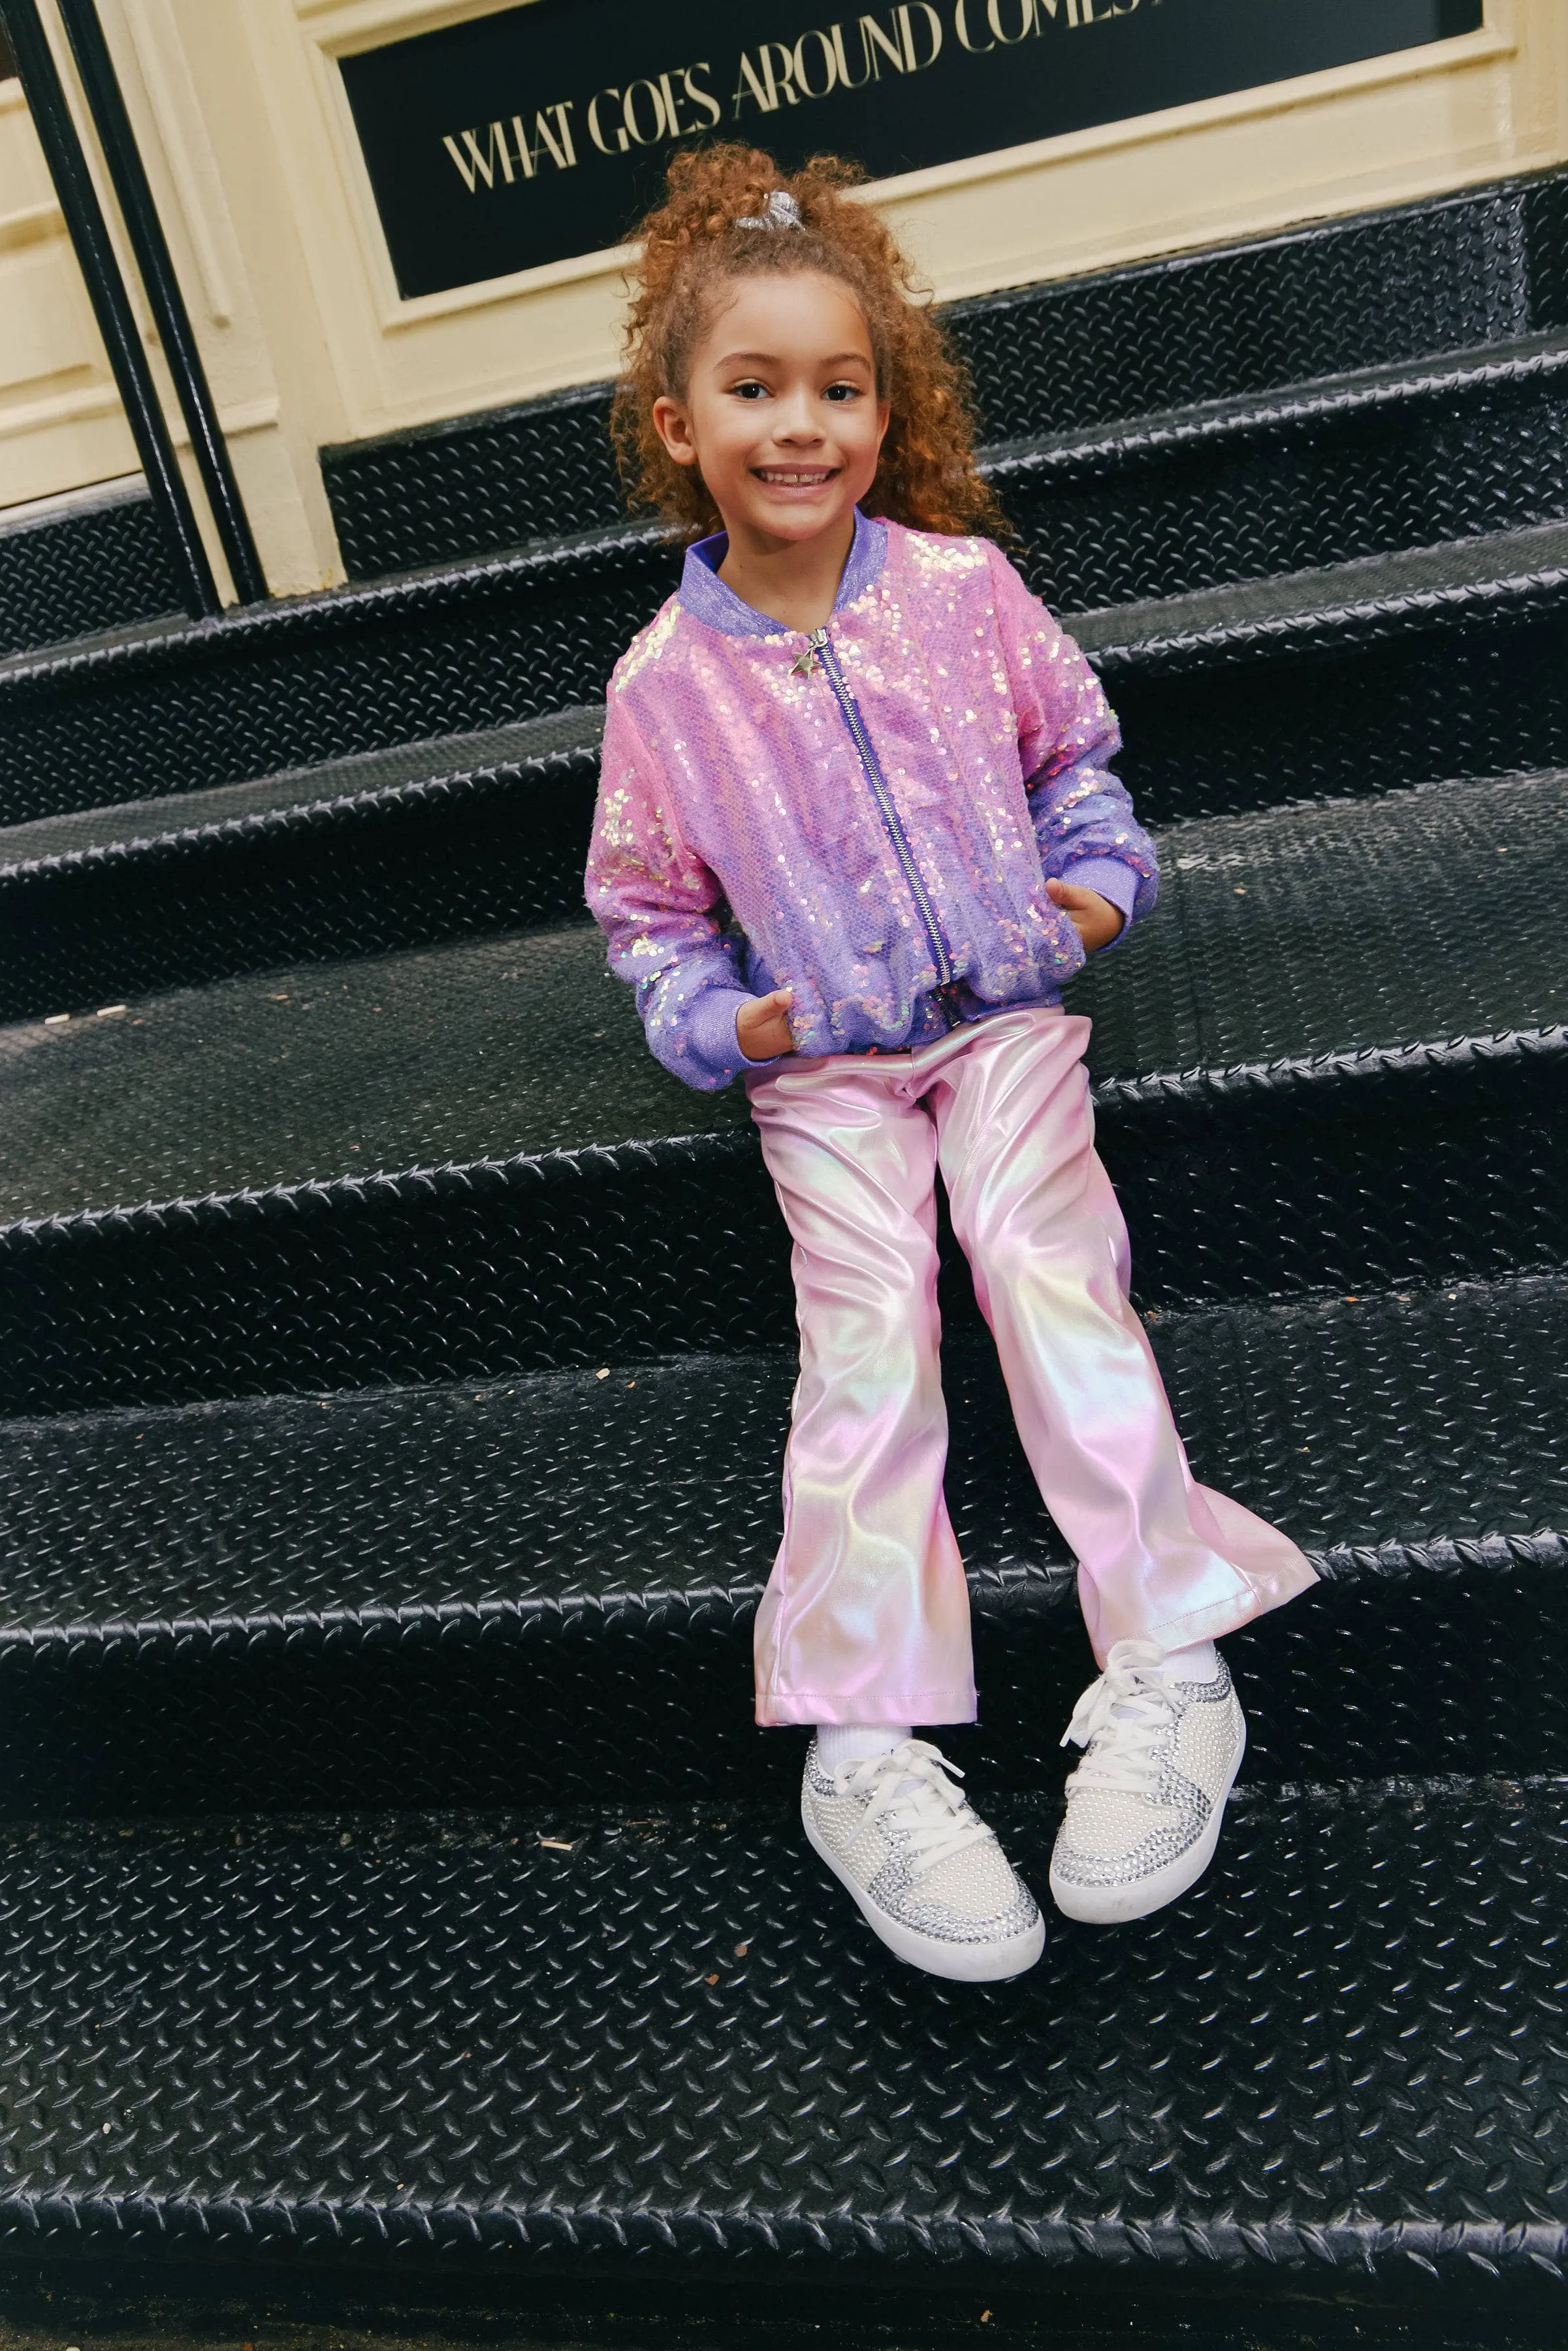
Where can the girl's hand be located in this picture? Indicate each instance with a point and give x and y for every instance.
(762, 1027)
(1094, 918)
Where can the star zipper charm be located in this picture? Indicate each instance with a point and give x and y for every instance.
(803, 663)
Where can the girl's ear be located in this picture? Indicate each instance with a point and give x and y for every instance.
(674, 427)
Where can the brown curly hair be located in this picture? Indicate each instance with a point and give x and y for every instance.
(692, 247)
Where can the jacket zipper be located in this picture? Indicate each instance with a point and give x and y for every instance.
(945, 977)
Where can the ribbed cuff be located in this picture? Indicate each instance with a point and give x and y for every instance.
(1112, 880)
(712, 1045)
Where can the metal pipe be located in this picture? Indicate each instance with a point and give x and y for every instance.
(106, 289)
(128, 174)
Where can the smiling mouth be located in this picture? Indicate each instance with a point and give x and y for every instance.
(795, 477)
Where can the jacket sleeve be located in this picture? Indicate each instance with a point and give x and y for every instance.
(661, 909)
(1068, 737)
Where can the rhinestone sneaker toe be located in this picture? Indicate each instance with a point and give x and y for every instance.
(928, 1874)
(1145, 1806)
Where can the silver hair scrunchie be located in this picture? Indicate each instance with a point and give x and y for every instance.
(782, 212)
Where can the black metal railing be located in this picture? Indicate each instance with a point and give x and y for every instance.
(110, 298)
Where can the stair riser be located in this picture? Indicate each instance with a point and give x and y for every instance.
(101, 566)
(321, 683)
(1295, 497)
(629, 1705)
(412, 873)
(1452, 276)
(1368, 1182)
(1404, 1177)
(1489, 697)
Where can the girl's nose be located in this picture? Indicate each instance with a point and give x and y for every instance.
(795, 422)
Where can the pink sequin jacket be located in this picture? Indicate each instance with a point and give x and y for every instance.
(866, 816)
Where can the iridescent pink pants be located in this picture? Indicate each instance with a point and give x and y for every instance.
(866, 1615)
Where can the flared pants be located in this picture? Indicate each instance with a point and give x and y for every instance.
(866, 1615)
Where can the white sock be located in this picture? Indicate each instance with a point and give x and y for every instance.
(854, 1742)
(1198, 1664)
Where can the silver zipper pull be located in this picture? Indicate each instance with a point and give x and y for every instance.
(804, 663)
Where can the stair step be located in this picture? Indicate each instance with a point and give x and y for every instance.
(186, 706)
(463, 1161)
(1353, 467)
(1296, 934)
(485, 1594)
(74, 565)
(1337, 610)
(617, 2038)
(1361, 678)
(1484, 266)
(386, 850)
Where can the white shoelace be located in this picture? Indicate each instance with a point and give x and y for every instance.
(911, 1790)
(1122, 1718)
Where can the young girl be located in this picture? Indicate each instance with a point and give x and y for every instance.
(856, 827)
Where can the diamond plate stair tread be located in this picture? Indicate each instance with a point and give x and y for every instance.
(481, 1595)
(1314, 475)
(82, 563)
(312, 679)
(1388, 588)
(475, 1052)
(135, 636)
(671, 2034)
(1430, 1418)
(292, 617)
(148, 822)
(1101, 447)
(1339, 603)
(1350, 925)
(1343, 943)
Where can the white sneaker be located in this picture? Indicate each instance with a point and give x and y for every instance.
(1145, 1806)
(927, 1872)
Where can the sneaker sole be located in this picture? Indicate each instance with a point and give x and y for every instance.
(958, 1963)
(1115, 1906)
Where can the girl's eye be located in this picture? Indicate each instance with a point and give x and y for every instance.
(842, 392)
(750, 390)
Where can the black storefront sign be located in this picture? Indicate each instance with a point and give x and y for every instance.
(543, 132)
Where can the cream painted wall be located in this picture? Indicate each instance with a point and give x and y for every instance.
(243, 122)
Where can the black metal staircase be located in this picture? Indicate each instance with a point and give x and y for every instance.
(396, 1365)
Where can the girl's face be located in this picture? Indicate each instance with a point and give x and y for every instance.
(781, 412)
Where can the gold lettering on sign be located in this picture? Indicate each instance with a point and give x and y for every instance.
(475, 166)
(840, 60)
(1028, 21)
(595, 130)
(786, 83)
(891, 45)
(827, 64)
(556, 144)
(702, 97)
(748, 86)
(629, 113)
(911, 10)
(905, 38)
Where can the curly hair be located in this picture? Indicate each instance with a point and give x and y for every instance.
(691, 248)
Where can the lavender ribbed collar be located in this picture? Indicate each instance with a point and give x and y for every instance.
(707, 596)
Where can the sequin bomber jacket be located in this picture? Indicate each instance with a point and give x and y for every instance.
(866, 816)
